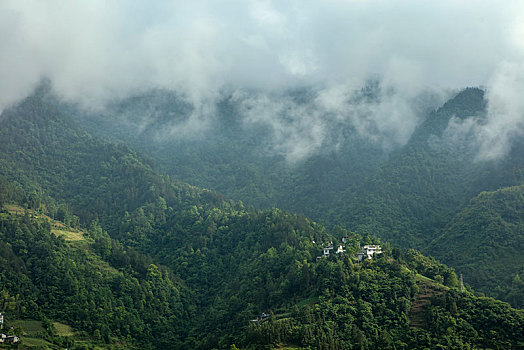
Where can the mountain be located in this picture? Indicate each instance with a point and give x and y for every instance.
(150, 262)
(407, 196)
(241, 157)
(109, 294)
(419, 197)
(484, 242)
(412, 195)
(115, 295)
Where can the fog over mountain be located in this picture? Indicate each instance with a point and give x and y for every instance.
(262, 174)
(97, 51)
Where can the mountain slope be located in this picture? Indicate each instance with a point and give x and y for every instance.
(46, 277)
(224, 264)
(242, 158)
(430, 188)
(49, 155)
(485, 242)
(407, 196)
(410, 197)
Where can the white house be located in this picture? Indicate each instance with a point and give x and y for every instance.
(340, 249)
(368, 251)
(327, 250)
(9, 339)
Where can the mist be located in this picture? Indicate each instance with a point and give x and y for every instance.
(98, 51)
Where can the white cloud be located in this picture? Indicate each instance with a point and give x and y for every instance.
(94, 51)
(505, 114)
(296, 130)
(100, 47)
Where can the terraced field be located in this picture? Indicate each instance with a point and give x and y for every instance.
(427, 289)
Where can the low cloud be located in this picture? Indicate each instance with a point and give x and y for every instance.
(304, 122)
(296, 130)
(98, 51)
(388, 116)
(490, 137)
(505, 112)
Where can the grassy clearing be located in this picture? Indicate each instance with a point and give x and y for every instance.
(34, 328)
(63, 330)
(33, 332)
(308, 301)
(69, 235)
(423, 279)
(58, 228)
(14, 209)
(37, 343)
(75, 238)
(30, 327)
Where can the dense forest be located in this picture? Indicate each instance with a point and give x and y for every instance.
(158, 263)
(408, 195)
(491, 227)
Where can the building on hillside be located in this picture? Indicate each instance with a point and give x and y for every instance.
(346, 239)
(262, 317)
(368, 251)
(328, 250)
(9, 339)
(340, 249)
(12, 339)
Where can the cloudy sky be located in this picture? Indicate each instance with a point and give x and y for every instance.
(97, 50)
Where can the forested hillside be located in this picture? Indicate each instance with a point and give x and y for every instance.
(407, 195)
(46, 153)
(415, 193)
(117, 295)
(425, 191)
(121, 300)
(164, 265)
(484, 242)
(239, 157)
(410, 197)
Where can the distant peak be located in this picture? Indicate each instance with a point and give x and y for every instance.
(467, 102)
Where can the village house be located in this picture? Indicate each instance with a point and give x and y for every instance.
(368, 251)
(328, 249)
(260, 318)
(9, 339)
